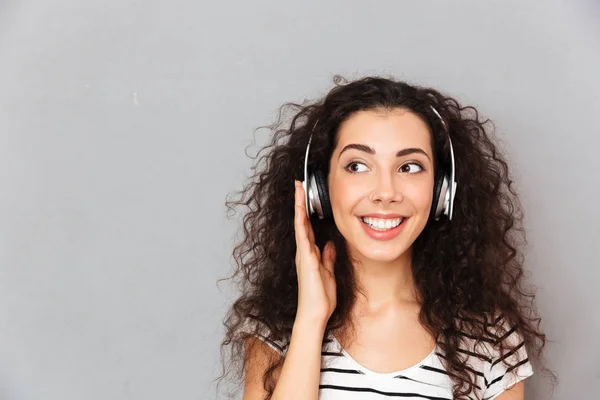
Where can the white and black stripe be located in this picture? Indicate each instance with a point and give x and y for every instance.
(344, 378)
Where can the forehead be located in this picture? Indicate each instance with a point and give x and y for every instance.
(385, 130)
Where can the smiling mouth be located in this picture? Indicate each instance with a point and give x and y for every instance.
(382, 224)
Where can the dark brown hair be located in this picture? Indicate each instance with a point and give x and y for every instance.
(468, 271)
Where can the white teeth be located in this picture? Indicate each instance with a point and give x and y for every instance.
(382, 224)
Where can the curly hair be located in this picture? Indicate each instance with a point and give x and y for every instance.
(468, 271)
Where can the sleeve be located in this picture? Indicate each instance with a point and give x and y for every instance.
(500, 377)
(254, 327)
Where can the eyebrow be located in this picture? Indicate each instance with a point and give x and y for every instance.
(370, 150)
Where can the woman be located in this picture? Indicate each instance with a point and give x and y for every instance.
(402, 275)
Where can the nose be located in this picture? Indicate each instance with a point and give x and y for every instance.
(386, 189)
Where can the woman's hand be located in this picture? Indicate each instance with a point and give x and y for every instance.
(316, 279)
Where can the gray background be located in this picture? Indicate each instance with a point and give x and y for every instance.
(123, 126)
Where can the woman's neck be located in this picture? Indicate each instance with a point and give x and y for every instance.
(382, 285)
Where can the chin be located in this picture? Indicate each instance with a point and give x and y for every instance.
(384, 254)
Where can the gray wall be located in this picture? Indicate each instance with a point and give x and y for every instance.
(123, 126)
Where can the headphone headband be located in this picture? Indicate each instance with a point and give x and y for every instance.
(452, 182)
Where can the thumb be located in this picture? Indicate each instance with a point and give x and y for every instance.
(329, 255)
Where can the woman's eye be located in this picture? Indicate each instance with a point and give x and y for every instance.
(413, 171)
(354, 166)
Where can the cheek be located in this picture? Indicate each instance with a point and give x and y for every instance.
(420, 195)
(345, 192)
(419, 190)
(344, 198)
(341, 195)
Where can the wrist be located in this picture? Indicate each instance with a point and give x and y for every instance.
(310, 323)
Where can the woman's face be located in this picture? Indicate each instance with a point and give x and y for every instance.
(381, 173)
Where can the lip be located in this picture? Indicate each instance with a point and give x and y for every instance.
(383, 235)
(383, 216)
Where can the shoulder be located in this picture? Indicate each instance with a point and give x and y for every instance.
(507, 360)
(254, 326)
(498, 358)
(262, 353)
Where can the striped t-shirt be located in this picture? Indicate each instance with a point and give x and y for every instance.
(343, 378)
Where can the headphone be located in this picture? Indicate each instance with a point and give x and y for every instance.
(317, 196)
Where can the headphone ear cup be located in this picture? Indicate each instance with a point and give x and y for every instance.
(438, 197)
(321, 181)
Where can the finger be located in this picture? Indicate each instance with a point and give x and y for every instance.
(299, 220)
(307, 225)
(309, 231)
(300, 188)
(329, 255)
